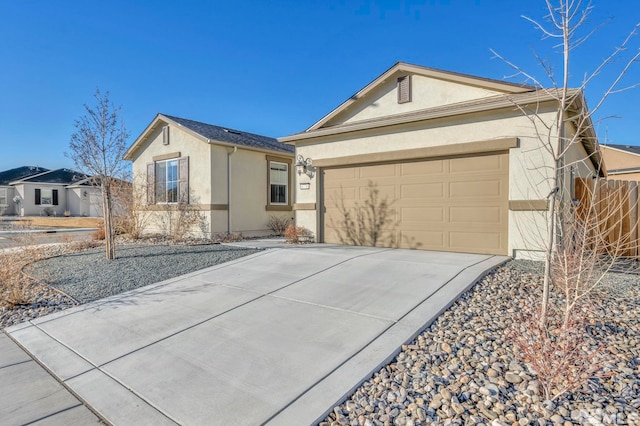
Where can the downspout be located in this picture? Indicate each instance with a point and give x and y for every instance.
(229, 154)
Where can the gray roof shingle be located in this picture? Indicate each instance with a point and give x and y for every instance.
(61, 176)
(18, 173)
(236, 137)
(629, 148)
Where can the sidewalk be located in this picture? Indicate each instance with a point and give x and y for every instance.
(29, 394)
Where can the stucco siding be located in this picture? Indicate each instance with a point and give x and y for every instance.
(28, 206)
(616, 159)
(9, 208)
(427, 92)
(187, 145)
(208, 186)
(530, 166)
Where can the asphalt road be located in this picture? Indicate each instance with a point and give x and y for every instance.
(8, 240)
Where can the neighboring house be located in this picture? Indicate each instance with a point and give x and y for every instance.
(453, 154)
(36, 191)
(622, 161)
(237, 180)
(7, 192)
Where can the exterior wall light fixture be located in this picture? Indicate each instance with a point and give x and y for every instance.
(304, 165)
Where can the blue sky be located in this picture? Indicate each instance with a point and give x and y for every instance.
(268, 67)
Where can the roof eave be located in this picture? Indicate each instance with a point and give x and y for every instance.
(505, 87)
(484, 105)
(129, 154)
(620, 150)
(249, 148)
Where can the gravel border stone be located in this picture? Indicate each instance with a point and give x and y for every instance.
(462, 370)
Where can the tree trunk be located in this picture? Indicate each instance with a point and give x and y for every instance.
(108, 225)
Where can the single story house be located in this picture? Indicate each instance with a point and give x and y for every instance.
(236, 179)
(36, 191)
(622, 161)
(455, 162)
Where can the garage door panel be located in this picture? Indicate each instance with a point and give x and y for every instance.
(430, 207)
(422, 190)
(476, 242)
(422, 168)
(335, 195)
(488, 163)
(420, 215)
(384, 191)
(477, 189)
(378, 171)
(342, 174)
(424, 240)
(476, 214)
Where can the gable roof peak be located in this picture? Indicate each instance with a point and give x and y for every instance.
(211, 133)
(504, 87)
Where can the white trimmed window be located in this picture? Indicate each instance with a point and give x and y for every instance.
(278, 183)
(3, 197)
(46, 197)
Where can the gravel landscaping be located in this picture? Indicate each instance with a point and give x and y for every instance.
(87, 276)
(463, 371)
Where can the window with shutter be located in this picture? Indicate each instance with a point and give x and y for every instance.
(168, 181)
(404, 89)
(38, 197)
(46, 197)
(54, 197)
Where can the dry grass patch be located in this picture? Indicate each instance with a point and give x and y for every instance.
(15, 285)
(63, 222)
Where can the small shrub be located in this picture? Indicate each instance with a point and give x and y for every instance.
(298, 234)
(228, 237)
(278, 224)
(48, 211)
(561, 354)
(98, 234)
(15, 285)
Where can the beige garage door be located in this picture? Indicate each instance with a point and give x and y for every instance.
(449, 204)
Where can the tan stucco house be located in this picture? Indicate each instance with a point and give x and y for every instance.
(455, 156)
(236, 179)
(37, 191)
(622, 161)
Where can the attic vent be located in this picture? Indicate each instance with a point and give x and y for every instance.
(232, 131)
(165, 135)
(404, 89)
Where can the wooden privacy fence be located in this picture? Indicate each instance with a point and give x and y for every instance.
(608, 213)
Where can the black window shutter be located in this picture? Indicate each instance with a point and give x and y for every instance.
(38, 197)
(54, 195)
(151, 183)
(183, 183)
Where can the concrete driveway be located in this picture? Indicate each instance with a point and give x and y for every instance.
(278, 337)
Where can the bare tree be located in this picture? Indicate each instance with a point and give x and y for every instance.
(97, 148)
(565, 25)
(578, 247)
